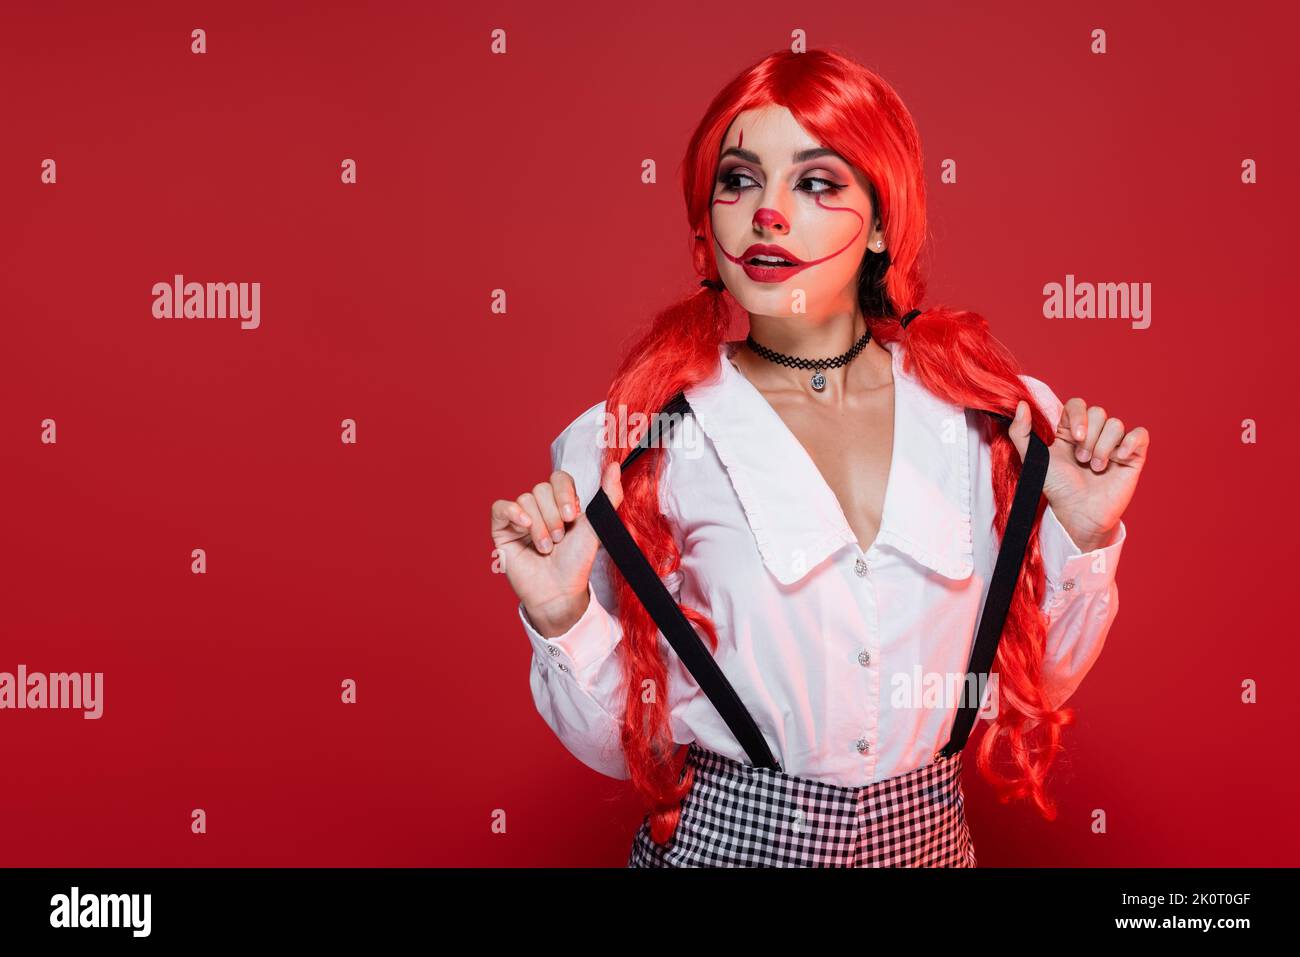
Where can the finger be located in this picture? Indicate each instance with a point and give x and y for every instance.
(1112, 430)
(1134, 447)
(1095, 420)
(537, 526)
(509, 521)
(611, 481)
(550, 509)
(1074, 420)
(566, 495)
(1020, 427)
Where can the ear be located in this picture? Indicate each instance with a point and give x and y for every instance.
(1020, 427)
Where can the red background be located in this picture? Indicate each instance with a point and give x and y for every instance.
(521, 172)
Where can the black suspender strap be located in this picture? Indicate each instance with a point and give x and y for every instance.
(1006, 572)
(667, 615)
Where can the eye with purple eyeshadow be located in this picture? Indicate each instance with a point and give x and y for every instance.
(729, 182)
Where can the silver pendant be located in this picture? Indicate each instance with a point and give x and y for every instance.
(818, 381)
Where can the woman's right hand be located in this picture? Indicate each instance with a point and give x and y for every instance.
(548, 548)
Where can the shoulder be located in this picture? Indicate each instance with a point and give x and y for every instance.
(578, 448)
(585, 429)
(1046, 399)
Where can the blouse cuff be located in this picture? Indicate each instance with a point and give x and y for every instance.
(588, 642)
(1067, 567)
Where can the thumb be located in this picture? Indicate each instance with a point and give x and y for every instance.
(611, 481)
(1020, 428)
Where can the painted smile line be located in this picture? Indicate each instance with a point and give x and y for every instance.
(775, 272)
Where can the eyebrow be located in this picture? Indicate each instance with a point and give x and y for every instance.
(749, 156)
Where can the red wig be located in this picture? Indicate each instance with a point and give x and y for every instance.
(853, 111)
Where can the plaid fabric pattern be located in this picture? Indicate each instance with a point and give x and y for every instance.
(737, 815)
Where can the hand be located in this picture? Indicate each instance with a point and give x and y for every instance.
(1092, 472)
(548, 548)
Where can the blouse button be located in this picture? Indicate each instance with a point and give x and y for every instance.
(564, 667)
(863, 745)
(555, 652)
(860, 567)
(864, 658)
(1068, 585)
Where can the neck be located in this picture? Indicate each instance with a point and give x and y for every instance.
(809, 337)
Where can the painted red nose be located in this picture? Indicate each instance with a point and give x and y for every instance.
(770, 219)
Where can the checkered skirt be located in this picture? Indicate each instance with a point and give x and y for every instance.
(737, 815)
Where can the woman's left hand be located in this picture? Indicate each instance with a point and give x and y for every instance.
(1092, 472)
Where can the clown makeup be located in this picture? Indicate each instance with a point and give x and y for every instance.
(788, 216)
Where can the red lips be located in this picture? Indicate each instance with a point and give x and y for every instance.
(767, 249)
(768, 273)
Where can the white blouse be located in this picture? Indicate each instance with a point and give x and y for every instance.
(841, 655)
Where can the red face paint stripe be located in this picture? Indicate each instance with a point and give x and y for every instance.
(811, 262)
(856, 234)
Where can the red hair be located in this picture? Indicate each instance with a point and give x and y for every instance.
(850, 109)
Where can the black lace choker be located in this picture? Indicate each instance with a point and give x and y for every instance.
(817, 365)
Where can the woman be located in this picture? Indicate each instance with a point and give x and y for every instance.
(829, 514)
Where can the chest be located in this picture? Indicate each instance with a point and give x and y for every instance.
(852, 448)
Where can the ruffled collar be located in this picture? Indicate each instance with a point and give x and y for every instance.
(795, 517)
